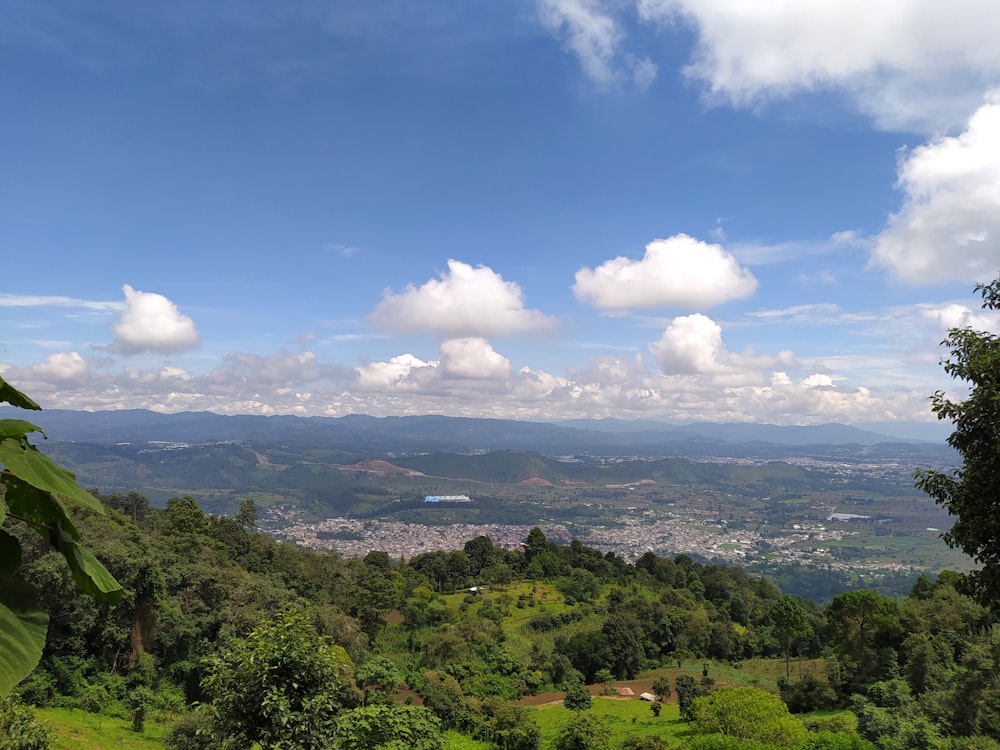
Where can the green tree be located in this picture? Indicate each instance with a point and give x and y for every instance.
(388, 727)
(577, 696)
(972, 493)
(860, 623)
(584, 732)
(890, 717)
(443, 696)
(607, 680)
(33, 491)
(790, 624)
(282, 686)
(624, 641)
(661, 687)
(511, 726)
(747, 713)
(687, 691)
(378, 679)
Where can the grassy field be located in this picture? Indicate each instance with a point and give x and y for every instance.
(625, 717)
(79, 730)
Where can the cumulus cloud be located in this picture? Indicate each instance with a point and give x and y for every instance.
(593, 35)
(464, 302)
(948, 227)
(61, 368)
(464, 359)
(909, 64)
(956, 315)
(391, 375)
(151, 322)
(679, 271)
(692, 345)
(472, 358)
(736, 387)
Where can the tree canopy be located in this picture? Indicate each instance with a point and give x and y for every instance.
(972, 492)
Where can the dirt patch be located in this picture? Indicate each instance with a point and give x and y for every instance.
(536, 482)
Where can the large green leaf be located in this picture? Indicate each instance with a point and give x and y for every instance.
(47, 515)
(14, 397)
(12, 428)
(34, 467)
(23, 625)
(37, 507)
(89, 575)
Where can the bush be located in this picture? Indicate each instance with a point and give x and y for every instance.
(38, 688)
(809, 694)
(19, 729)
(195, 730)
(835, 741)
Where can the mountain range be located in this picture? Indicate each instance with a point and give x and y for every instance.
(362, 434)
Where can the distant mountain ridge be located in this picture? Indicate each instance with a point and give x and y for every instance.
(385, 435)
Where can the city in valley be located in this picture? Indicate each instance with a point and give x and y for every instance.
(834, 524)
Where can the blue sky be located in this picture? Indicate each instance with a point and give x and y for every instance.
(537, 209)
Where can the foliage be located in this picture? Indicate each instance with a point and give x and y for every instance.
(827, 740)
(661, 687)
(385, 727)
(790, 623)
(584, 732)
(972, 493)
(808, 694)
(283, 685)
(577, 696)
(19, 729)
(511, 726)
(860, 624)
(195, 730)
(443, 696)
(687, 691)
(33, 488)
(723, 742)
(747, 713)
(378, 679)
(890, 717)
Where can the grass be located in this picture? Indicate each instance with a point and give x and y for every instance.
(455, 741)
(80, 730)
(625, 717)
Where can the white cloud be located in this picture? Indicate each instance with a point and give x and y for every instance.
(591, 32)
(61, 368)
(151, 322)
(818, 380)
(465, 302)
(690, 345)
(737, 387)
(910, 64)
(393, 374)
(956, 315)
(948, 227)
(279, 368)
(679, 271)
(472, 358)
(38, 300)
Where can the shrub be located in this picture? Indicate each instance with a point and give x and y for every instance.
(19, 729)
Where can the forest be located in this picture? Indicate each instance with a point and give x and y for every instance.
(227, 638)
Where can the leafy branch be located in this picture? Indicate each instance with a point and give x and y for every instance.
(33, 491)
